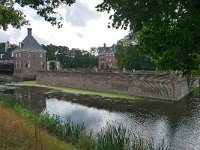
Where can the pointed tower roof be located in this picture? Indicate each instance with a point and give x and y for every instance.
(29, 44)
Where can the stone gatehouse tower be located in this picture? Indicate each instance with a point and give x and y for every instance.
(29, 58)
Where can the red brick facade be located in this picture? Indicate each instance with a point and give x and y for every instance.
(27, 64)
(107, 59)
(29, 58)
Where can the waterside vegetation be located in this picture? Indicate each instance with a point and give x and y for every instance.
(18, 133)
(110, 138)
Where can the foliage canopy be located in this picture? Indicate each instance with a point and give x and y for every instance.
(9, 15)
(71, 58)
(129, 57)
(167, 31)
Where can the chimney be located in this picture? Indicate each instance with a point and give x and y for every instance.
(104, 45)
(29, 31)
(7, 45)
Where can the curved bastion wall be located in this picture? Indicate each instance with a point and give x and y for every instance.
(143, 84)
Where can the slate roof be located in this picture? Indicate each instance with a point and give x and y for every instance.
(29, 44)
(8, 55)
(105, 49)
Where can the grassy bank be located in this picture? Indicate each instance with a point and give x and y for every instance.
(110, 138)
(72, 90)
(17, 133)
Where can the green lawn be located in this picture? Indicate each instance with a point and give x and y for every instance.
(80, 91)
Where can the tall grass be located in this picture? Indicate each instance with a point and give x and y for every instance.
(17, 133)
(109, 138)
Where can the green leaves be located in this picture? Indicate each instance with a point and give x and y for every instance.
(45, 8)
(10, 16)
(129, 57)
(74, 58)
(168, 31)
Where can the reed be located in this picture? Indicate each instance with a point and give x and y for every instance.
(109, 138)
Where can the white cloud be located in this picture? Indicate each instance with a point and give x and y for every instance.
(83, 27)
(79, 13)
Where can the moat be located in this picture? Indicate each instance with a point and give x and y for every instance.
(177, 123)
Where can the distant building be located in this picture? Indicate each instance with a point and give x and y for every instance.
(107, 59)
(6, 55)
(29, 58)
(6, 59)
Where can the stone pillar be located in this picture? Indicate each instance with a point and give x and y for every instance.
(48, 63)
(58, 65)
(124, 70)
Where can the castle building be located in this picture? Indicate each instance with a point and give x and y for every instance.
(107, 59)
(29, 58)
(6, 55)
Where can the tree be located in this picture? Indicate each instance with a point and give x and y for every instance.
(2, 47)
(51, 51)
(74, 58)
(167, 31)
(129, 57)
(94, 51)
(45, 8)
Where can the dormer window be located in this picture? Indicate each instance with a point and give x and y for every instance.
(21, 44)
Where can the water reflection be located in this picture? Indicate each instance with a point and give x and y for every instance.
(178, 123)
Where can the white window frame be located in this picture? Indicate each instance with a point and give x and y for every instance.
(16, 64)
(2, 56)
(41, 64)
(20, 64)
(29, 64)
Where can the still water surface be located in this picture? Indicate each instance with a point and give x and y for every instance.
(177, 123)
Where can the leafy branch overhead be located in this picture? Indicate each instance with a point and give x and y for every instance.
(9, 15)
(167, 31)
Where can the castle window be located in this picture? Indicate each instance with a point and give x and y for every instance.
(20, 64)
(2, 56)
(16, 64)
(28, 64)
(41, 64)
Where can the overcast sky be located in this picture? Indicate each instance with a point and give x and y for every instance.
(83, 27)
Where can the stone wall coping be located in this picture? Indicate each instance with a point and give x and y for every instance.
(151, 77)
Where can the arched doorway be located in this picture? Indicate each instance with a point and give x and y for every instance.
(53, 65)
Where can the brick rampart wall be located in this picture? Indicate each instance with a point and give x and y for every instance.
(152, 85)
